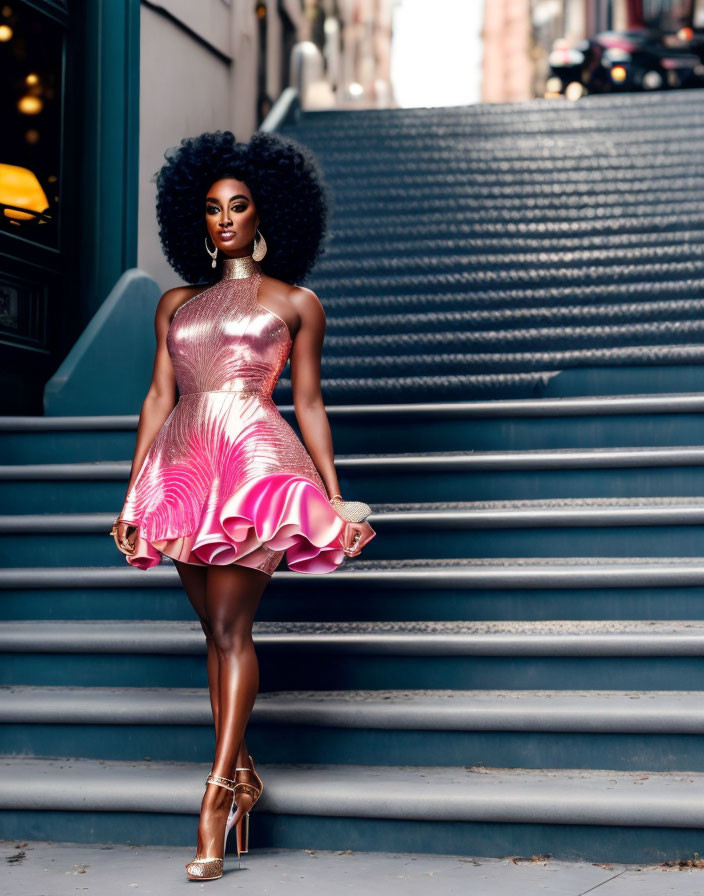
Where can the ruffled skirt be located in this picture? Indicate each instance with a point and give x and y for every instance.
(212, 491)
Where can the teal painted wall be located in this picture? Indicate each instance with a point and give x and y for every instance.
(109, 368)
(108, 180)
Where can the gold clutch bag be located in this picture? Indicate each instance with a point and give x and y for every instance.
(352, 511)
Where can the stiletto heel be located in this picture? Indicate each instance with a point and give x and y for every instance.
(210, 867)
(242, 835)
(250, 792)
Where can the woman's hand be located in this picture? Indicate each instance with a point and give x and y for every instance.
(355, 536)
(125, 535)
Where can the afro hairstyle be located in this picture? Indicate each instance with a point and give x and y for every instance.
(287, 186)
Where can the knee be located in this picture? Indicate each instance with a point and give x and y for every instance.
(231, 639)
(207, 629)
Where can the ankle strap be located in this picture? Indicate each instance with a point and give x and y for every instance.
(229, 783)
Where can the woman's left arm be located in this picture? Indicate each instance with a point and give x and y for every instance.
(305, 383)
(310, 410)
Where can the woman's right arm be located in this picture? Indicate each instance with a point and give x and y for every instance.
(161, 396)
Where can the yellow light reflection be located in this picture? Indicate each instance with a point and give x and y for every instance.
(5, 33)
(20, 187)
(30, 105)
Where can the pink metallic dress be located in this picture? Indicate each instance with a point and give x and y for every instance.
(227, 480)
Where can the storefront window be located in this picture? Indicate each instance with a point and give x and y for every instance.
(30, 108)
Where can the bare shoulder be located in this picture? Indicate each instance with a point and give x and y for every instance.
(306, 302)
(173, 298)
(300, 297)
(297, 305)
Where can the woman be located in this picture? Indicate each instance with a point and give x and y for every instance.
(220, 482)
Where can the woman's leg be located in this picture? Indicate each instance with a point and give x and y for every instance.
(232, 596)
(194, 580)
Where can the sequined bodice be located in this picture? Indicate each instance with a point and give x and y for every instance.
(224, 340)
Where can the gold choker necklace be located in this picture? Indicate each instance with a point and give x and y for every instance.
(238, 268)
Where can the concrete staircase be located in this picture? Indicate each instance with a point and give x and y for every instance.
(501, 673)
(515, 664)
(538, 248)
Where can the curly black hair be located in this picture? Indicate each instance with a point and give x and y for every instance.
(287, 186)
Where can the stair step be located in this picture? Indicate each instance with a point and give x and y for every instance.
(427, 461)
(545, 797)
(489, 121)
(599, 527)
(529, 423)
(456, 638)
(568, 812)
(408, 477)
(405, 590)
(646, 712)
(668, 243)
(659, 730)
(392, 203)
(579, 654)
(384, 195)
(677, 511)
(411, 573)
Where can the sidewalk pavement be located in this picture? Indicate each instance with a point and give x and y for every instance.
(39, 868)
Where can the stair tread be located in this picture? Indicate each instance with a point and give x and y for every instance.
(418, 564)
(655, 505)
(548, 458)
(444, 638)
(537, 710)
(592, 405)
(539, 573)
(540, 504)
(571, 796)
(486, 160)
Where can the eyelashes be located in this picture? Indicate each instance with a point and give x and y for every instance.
(210, 209)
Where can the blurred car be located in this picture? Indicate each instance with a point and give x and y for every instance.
(623, 61)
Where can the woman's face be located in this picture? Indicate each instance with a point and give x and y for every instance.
(231, 216)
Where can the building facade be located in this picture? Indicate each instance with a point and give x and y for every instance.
(214, 65)
(68, 177)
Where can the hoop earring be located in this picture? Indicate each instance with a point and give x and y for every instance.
(214, 254)
(259, 246)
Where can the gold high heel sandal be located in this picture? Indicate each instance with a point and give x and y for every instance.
(210, 867)
(250, 792)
